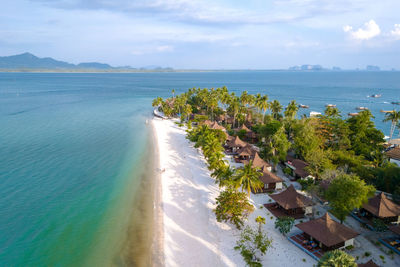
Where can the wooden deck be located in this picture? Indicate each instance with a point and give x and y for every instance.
(316, 253)
(278, 212)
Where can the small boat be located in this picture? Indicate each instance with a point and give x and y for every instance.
(330, 106)
(386, 111)
(375, 95)
(353, 114)
(303, 106)
(396, 103)
(362, 108)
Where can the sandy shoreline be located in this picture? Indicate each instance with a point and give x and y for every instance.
(191, 235)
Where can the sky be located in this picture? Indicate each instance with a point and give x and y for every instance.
(206, 34)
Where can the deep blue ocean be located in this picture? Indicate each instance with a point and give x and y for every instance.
(72, 148)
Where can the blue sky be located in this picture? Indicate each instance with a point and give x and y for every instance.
(204, 34)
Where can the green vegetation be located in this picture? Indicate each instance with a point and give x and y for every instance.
(337, 258)
(284, 224)
(253, 244)
(347, 192)
(233, 206)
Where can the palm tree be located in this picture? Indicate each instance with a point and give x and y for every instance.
(337, 258)
(248, 178)
(260, 220)
(173, 93)
(394, 117)
(276, 108)
(223, 175)
(261, 103)
(291, 110)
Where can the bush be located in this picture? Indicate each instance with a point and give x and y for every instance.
(350, 247)
(379, 225)
(287, 171)
(367, 254)
(337, 258)
(284, 224)
(252, 245)
(233, 206)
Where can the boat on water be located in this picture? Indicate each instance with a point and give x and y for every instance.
(396, 103)
(386, 111)
(330, 106)
(362, 108)
(375, 95)
(303, 106)
(353, 114)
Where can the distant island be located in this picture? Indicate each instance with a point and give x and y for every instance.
(308, 67)
(28, 62)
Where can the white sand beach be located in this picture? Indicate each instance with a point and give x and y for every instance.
(192, 236)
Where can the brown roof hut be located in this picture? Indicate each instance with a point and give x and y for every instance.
(243, 127)
(394, 155)
(298, 167)
(369, 263)
(292, 203)
(328, 233)
(271, 181)
(381, 207)
(258, 162)
(245, 153)
(214, 125)
(235, 144)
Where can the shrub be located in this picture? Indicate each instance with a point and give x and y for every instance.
(367, 254)
(337, 258)
(287, 171)
(252, 245)
(350, 247)
(233, 206)
(379, 225)
(284, 224)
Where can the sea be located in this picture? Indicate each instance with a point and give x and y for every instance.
(77, 161)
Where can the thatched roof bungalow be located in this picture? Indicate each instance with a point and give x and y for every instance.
(383, 208)
(328, 233)
(292, 203)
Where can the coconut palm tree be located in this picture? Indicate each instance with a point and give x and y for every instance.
(291, 110)
(276, 109)
(223, 175)
(173, 93)
(248, 178)
(393, 117)
(260, 220)
(261, 102)
(337, 258)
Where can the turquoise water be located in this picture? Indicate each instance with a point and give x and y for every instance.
(73, 147)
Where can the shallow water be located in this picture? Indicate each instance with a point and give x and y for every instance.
(75, 150)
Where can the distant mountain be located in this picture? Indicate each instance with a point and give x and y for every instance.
(94, 65)
(29, 61)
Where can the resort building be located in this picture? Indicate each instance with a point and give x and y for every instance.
(271, 181)
(233, 144)
(250, 135)
(328, 233)
(393, 242)
(290, 203)
(258, 162)
(298, 168)
(394, 155)
(245, 153)
(381, 207)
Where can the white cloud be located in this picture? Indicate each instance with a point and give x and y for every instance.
(396, 32)
(165, 48)
(370, 30)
